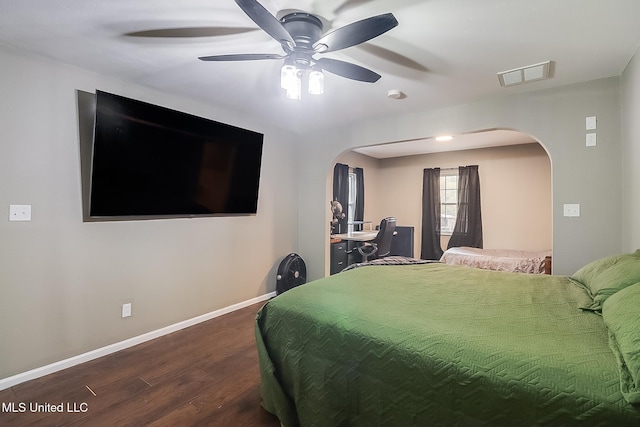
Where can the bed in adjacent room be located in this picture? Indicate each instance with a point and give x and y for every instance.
(437, 344)
(517, 261)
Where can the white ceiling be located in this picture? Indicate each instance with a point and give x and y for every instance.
(444, 52)
(468, 141)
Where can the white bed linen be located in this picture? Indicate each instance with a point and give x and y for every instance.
(497, 259)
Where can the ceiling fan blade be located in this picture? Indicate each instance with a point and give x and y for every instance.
(355, 33)
(350, 4)
(241, 57)
(330, 8)
(392, 56)
(348, 70)
(190, 32)
(266, 21)
(327, 8)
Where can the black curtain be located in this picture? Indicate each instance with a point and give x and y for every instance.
(468, 228)
(358, 215)
(341, 193)
(430, 248)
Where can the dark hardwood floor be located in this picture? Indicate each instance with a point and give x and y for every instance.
(205, 375)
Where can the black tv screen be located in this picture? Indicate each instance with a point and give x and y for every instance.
(150, 161)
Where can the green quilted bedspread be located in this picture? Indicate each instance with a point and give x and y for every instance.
(434, 344)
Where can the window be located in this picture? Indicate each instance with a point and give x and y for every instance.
(448, 201)
(353, 190)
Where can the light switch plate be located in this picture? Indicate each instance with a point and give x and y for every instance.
(572, 210)
(19, 212)
(126, 310)
(591, 140)
(591, 123)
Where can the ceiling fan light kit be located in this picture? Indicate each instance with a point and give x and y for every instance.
(290, 81)
(300, 35)
(291, 77)
(316, 82)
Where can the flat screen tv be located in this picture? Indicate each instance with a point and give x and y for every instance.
(153, 162)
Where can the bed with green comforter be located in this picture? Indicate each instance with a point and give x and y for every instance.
(435, 344)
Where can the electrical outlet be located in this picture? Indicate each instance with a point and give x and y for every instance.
(126, 310)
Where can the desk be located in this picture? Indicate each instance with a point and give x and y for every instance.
(343, 247)
(356, 236)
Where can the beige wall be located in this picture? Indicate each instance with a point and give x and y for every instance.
(515, 191)
(589, 176)
(62, 281)
(631, 153)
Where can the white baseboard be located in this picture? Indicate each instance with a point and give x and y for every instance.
(104, 351)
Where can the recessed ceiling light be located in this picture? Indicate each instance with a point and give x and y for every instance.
(529, 73)
(444, 138)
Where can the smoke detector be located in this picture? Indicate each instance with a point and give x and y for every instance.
(396, 94)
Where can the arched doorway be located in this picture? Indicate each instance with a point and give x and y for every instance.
(515, 174)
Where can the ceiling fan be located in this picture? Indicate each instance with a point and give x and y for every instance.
(301, 36)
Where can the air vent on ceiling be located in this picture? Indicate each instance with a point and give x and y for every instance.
(527, 74)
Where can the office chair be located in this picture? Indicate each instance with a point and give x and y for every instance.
(380, 246)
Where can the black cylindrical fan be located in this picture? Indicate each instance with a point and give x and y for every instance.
(292, 272)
